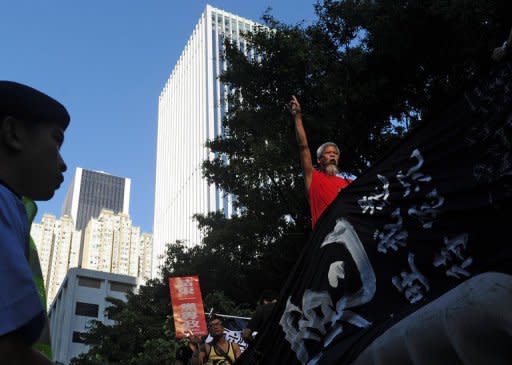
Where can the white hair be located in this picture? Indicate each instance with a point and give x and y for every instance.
(321, 149)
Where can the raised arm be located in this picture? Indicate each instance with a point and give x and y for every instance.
(305, 154)
(199, 353)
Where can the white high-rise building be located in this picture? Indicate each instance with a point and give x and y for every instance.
(145, 256)
(112, 244)
(191, 109)
(58, 246)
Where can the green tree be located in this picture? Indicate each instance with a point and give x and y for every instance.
(418, 55)
(219, 270)
(143, 323)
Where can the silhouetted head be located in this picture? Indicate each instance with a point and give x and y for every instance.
(32, 126)
(268, 296)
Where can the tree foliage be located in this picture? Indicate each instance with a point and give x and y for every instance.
(142, 323)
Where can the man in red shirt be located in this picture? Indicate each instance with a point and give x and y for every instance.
(322, 185)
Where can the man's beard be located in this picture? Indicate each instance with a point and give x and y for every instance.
(331, 169)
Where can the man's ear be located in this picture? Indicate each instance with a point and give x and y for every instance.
(12, 131)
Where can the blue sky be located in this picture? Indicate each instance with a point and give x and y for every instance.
(107, 61)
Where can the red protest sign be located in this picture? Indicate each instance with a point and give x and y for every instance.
(187, 306)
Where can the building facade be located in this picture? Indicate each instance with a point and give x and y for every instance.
(58, 247)
(145, 256)
(91, 191)
(80, 299)
(191, 108)
(112, 244)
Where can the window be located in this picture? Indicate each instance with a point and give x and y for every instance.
(87, 309)
(89, 282)
(121, 287)
(78, 337)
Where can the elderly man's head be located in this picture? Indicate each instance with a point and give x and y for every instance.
(328, 155)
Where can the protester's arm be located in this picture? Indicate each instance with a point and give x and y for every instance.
(305, 154)
(14, 351)
(247, 335)
(500, 52)
(199, 353)
(236, 350)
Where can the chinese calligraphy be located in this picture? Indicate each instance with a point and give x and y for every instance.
(413, 284)
(377, 201)
(184, 286)
(452, 254)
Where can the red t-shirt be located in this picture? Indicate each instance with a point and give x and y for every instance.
(323, 190)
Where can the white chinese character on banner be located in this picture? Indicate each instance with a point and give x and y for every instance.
(336, 272)
(377, 201)
(188, 311)
(184, 286)
(413, 175)
(452, 256)
(427, 212)
(413, 284)
(192, 325)
(318, 319)
(392, 235)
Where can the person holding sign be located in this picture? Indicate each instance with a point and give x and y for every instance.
(220, 351)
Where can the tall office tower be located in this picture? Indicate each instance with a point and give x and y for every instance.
(58, 245)
(92, 191)
(190, 111)
(112, 244)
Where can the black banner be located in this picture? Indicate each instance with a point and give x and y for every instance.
(429, 215)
